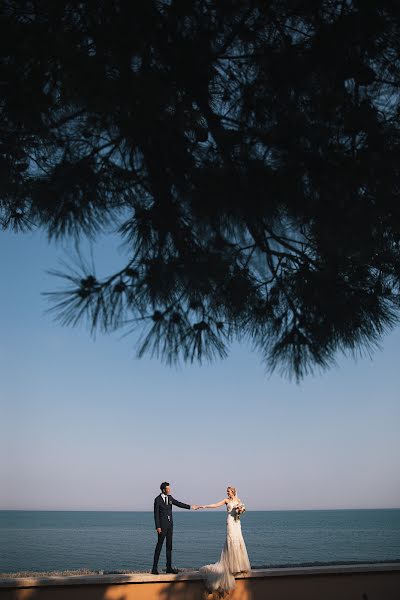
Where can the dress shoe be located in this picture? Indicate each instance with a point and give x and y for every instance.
(154, 572)
(172, 570)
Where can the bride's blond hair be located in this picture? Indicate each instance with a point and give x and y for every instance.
(232, 489)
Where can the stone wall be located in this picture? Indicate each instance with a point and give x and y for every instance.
(346, 582)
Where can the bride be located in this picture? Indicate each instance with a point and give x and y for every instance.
(234, 559)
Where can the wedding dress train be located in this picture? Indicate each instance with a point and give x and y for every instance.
(234, 559)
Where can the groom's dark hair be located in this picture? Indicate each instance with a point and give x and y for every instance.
(163, 485)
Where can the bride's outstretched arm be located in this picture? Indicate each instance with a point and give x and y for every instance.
(216, 505)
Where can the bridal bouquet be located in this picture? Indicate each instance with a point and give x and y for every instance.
(240, 509)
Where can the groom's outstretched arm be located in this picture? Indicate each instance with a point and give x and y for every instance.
(180, 504)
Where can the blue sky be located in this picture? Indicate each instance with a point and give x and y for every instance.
(87, 426)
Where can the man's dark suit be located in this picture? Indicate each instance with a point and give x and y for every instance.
(163, 519)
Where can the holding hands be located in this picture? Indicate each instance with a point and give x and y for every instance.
(195, 507)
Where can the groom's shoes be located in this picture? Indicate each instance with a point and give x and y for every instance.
(154, 572)
(172, 570)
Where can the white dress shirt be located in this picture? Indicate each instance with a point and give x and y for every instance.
(165, 499)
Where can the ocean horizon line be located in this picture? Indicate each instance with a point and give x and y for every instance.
(145, 510)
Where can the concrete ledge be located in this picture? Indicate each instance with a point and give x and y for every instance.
(143, 578)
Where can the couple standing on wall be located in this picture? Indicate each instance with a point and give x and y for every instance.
(234, 559)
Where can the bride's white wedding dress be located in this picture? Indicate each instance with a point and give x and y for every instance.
(234, 558)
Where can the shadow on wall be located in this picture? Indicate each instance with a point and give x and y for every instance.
(68, 592)
(195, 590)
(329, 586)
(176, 590)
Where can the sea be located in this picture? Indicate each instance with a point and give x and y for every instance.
(40, 541)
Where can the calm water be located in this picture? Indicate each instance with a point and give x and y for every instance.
(45, 541)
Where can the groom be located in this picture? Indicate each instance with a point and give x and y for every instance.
(164, 524)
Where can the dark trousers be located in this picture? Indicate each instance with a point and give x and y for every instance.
(165, 533)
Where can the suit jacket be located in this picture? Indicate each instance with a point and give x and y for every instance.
(163, 511)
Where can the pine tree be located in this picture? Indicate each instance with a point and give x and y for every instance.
(246, 151)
